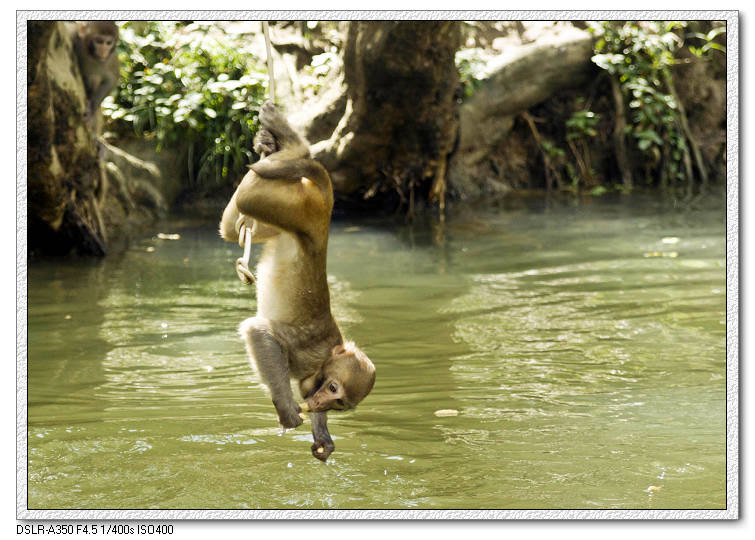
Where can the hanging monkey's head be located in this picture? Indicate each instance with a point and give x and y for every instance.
(346, 379)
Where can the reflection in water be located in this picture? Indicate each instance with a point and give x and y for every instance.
(588, 369)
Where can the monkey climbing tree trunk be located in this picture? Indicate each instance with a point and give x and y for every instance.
(400, 122)
(63, 171)
(70, 206)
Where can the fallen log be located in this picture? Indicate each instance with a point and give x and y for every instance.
(520, 78)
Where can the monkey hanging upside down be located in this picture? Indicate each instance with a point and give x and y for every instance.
(288, 199)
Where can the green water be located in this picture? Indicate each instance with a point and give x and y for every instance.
(583, 346)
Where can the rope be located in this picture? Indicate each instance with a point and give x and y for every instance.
(270, 72)
(242, 264)
(245, 233)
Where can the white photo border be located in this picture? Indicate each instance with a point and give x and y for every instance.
(732, 271)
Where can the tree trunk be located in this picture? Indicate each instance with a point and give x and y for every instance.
(400, 121)
(63, 170)
(82, 195)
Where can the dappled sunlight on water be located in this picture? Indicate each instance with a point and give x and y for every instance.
(577, 356)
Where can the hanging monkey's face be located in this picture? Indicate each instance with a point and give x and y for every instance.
(346, 379)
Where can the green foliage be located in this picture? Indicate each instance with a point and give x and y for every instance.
(552, 151)
(582, 125)
(580, 128)
(182, 85)
(709, 44)
(319, 69)
(323, 63)
(471, 67)
(640, 55)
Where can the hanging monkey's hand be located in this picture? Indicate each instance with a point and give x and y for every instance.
(243, 222)
(288, 414)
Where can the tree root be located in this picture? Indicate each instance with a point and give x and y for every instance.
(691, 141)
(551, 171)
(619, 141)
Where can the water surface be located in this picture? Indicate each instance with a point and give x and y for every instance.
(583, 346)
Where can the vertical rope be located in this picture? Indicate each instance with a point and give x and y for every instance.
(268, 46)
(245, 233)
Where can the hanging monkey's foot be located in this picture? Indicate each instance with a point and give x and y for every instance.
(286, 138)
(265, 143)
(271, 118)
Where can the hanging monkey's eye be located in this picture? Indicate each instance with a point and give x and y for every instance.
(333, 388)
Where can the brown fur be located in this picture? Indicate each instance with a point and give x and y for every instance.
(294, 335)
(94, 44)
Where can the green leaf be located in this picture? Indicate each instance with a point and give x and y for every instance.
(715, 32)
(713, 45)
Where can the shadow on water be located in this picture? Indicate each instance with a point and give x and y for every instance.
(581, 346)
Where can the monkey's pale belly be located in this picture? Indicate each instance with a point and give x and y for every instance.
(278, 289)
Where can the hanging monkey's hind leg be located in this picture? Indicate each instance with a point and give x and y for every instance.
(265, 143)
